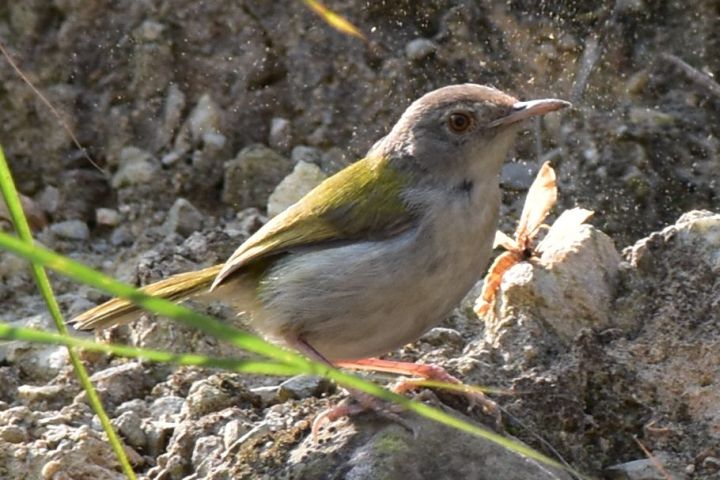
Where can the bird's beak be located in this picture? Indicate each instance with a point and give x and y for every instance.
(532, 108)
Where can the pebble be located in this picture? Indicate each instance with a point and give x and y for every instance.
(136, 166)
(304, 177)
(280, 137)
(183, 218)
(441, 336)
(304, 386)
(420, 48)
(304, 153)
(251, 176)
(129, 425)
(13, 434)
(107, 216)
(71, 230)
(205, 118)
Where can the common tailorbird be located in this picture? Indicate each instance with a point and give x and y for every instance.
(381, 251)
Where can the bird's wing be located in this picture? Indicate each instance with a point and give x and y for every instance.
(363, 201)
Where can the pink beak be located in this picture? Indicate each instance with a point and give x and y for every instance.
(532, 108)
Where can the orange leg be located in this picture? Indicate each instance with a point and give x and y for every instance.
(425, 371)
(363, 402)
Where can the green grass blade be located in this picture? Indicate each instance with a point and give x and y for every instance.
(8, 332)
(84, 274)
(12, 200)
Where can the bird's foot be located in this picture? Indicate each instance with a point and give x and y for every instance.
(474, 397)
(357, 403)
(427, 372)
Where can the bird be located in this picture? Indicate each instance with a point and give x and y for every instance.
(378, 253)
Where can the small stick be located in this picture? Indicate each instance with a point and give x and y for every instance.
(701, 78)
(655, 461)
(50, 106)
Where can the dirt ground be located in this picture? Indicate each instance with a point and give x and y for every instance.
(195, 111)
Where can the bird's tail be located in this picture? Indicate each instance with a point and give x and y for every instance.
(176, 288)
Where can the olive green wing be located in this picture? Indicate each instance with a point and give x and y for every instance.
(363, 201)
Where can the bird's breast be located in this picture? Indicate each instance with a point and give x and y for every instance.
(368, 298)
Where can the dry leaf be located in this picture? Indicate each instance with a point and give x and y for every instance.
(336, 21)
(540, 200)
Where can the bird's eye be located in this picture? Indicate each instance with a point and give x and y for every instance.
(460, 122)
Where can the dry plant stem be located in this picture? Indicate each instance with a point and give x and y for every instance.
(50, 106)
(693, 73)
(656, 463)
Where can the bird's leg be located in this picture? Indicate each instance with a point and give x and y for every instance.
(426, 372)
(358, 402)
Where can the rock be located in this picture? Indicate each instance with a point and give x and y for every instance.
(49, 200)
(670, 288)
(304, 386)
(361, 450)
(420, 49)
(135, 166)
(172, 115)
(36, 362)
(304, 153)
(280, 137)
(183, 218)
(233, 431)
(215, 393)
(33, 213)
(252, 175)
(33, 394)
(13, 434)
(121, 383)
(166, 408)
(304, 177)
(205, 449)
(581, 265)
(441, 336)
(205, 118)
(268, 394)
(107, 216)
(71, 230)
(129, 425)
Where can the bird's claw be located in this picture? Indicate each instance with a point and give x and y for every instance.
(358, 403)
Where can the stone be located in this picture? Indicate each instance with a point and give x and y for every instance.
(205, 118)
(135, 166)
(304, 153)
(251, 176)
(215, 393)
(129, 425)
(304, 177)
(363, 451)
(442, 336)
(71, 230)
(581, 265)
(36, 362)
(121, 383)
(107, 217)
(420, 49)
(280, 137)
(304, 386)
(183, 218)
(13, 433)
